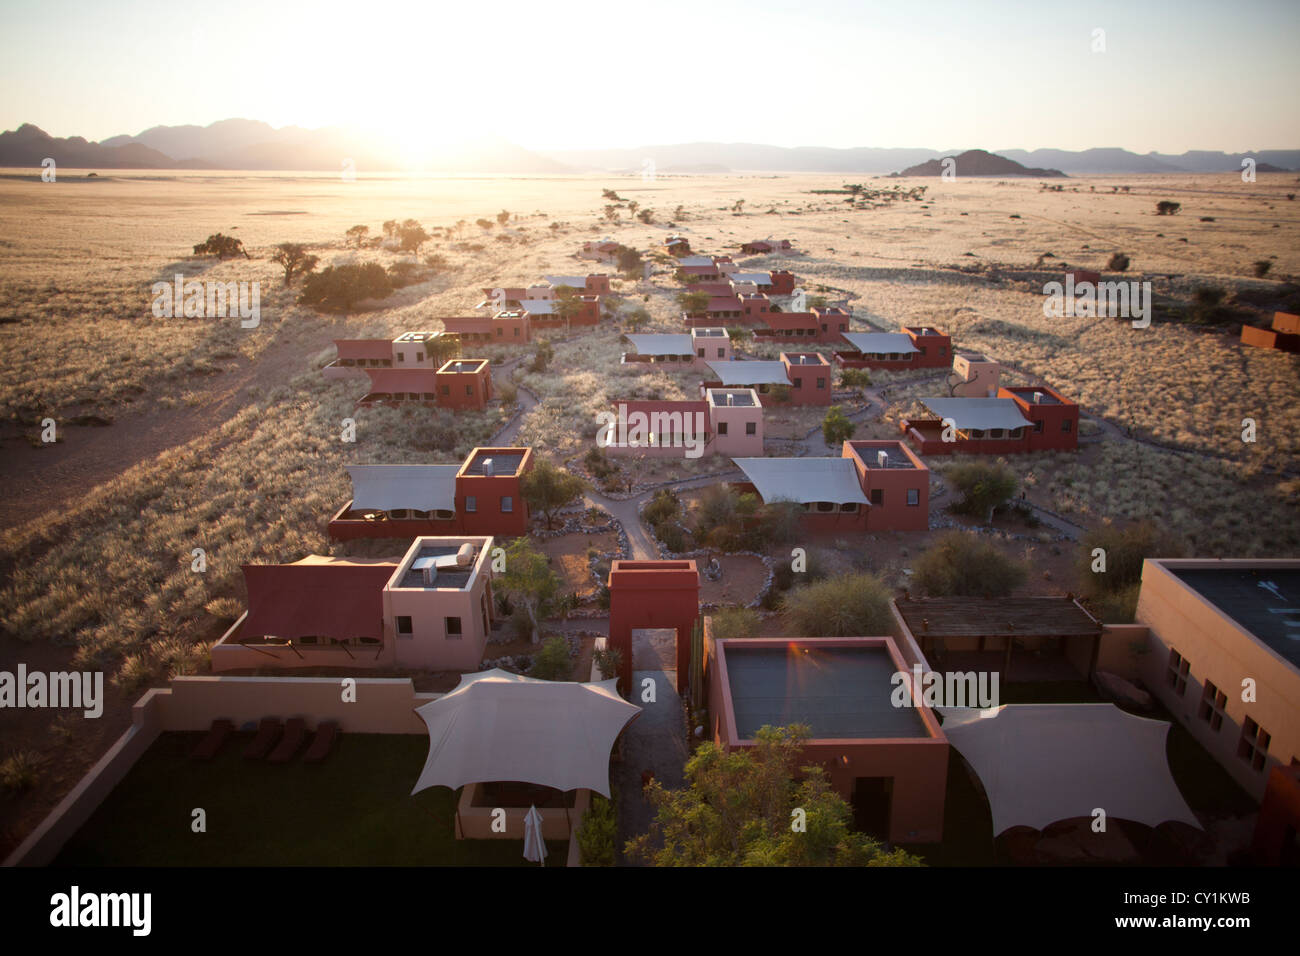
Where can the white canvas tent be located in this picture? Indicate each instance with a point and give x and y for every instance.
(750, 373)
(660, 343)
(805, 480)
(498, 726)
(881, 343)
(1040, 763)
(979, 413)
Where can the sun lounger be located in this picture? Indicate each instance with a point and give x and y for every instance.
(327, 732)
(214, 741)
(294, 734)
(268, 732)
(320, 748)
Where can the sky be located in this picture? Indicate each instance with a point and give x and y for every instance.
(555, 74)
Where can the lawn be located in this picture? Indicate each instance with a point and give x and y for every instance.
(355, 809)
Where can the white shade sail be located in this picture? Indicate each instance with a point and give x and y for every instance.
(881, 343)
(804, 480)
(765, 372)
(980, 413)
(498, 726)
(671, 343)
(394, 487)
(1041, 763)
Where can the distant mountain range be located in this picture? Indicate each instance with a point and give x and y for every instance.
(979, 162)
(249, 144)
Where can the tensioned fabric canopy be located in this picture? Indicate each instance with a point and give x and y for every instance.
(500, 726)
(317, 596)
(981, 413)
(671, 343)
(804, 480)
(1041, 763)
(394, 487)
(766, 372)
(389, 380)
(881, 343)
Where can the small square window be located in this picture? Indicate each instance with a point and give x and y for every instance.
(1253, 747)
(453, 628)
(401, 356)
(507, 504)
(404, 625)
(721, 352)
(821, 383)
(469, 390)
(445, 389)
(1176, 672)
(1213, 706)
(877, 496)
(419, 356)
(700, 352)
(471, 504)
(751, 428)
(1066, 425)
(913, 497)
(1038, 427)
(798, 383)
(722, 428)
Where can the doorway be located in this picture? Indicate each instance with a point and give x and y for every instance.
(872, 801)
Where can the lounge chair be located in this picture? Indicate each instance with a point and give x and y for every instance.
(326, 733)
(294, 734)
(268, 732)
(211, 744)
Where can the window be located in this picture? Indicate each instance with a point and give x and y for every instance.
(1065, 425)
(469, 390)
(500, 333)
(445, 389)
(404, 625)
(722, 428)
(401, 356)
(471, 504)
(1253, 747)
(942, 351)
(721, 352)
(453, 628)
(849, 507)
(516, 332)
(429, 396)
(1176, 672)
(507, 504)
(1214, 703)
(995, 432)
(798, 383)
(825, 506)
(913, 497)
(821, 383)
(751, 428)
(877, 496)
(419, 356)
(700, 352)
(1038, 427)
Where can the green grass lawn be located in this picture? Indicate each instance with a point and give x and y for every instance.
(355, 809)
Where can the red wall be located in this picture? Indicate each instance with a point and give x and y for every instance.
(807, 392)
(1052, 437)
(1279, 815)
(652, 594)
(479, 382)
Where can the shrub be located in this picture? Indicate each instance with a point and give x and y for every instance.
(1261, 268)
(543, 356)
(850, 605)
(960, 564)
(984, 487)
(664, 506)
(597, 832)
(855, 377)
(735, 622)
(552, 661)
(1124, 550)
(20, 770)
(1167, 208)
(608, 660)
(836, 427)
(508, 393)
(340, 288)
(1118, 262)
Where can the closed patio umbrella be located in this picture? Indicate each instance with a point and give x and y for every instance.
(534, 845)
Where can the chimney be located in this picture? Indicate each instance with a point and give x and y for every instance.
(1038, 398)
(430, 576)
(487, 467)
(882, 458)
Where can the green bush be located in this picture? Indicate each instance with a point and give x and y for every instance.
(19, 770)
(965, 565)
(664, 506)
(735, 622)
(552, 661)
(1125, 549)
(597, 832)
(850, 605)
(984, 486)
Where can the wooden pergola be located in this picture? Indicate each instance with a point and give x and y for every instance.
(1060, 617)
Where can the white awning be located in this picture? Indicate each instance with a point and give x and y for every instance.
(498, 726)
(695, 261)
(804, 480)
(671, 343)
(573, 282)
(1040, 763)
(980, 413)
(758, 278)
(765, 372)
(881, 343)
(394, 487)
(537, 306)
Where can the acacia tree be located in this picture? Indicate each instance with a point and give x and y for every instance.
(503, 217)
(742, 808)
(529, 583)
(294, 259)
(358, 234)
(411, 236)
(693, 302)
(984, 486)
(548, 489)
(221, 246)
(962, 564)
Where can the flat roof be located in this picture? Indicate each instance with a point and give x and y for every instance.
(448, 575)
(1264, 601)
(464, 365)
(709, 330)
(894, 456)
(504, 461)
(805, 358)
(838, 691)
(733, 397)
(1048, 616)
(1035, 396)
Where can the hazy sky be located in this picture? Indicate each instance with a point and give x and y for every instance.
(552, 74)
